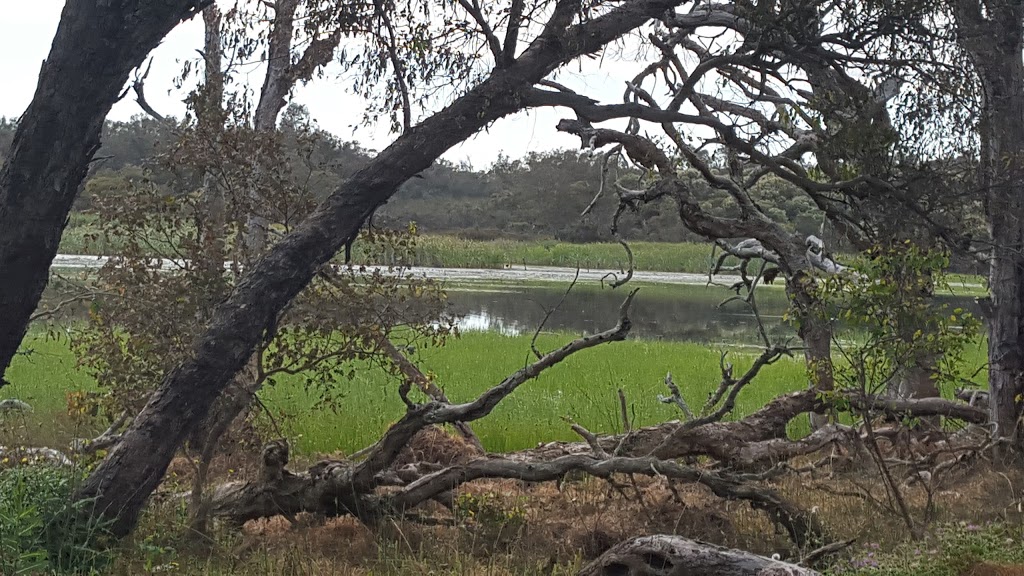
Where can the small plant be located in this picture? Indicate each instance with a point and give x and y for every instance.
(950, 550)
(488, 510)
(41, 529)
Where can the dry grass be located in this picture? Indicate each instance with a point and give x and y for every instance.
(549, 529)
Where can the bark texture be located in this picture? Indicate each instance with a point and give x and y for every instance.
(995, 39)
(96, 46)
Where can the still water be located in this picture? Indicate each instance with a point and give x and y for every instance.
(680, 312)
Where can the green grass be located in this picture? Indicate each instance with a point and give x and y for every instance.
(456, 252)
(582, 388)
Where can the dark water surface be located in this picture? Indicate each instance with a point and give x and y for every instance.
(679, 312)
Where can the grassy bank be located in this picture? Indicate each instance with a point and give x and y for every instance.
(450, 251)
(454, 252)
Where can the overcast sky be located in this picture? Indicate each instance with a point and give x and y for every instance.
(27, 29)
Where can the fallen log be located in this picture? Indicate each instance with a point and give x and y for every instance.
(667, 555)
(757, 439)
(333, 488)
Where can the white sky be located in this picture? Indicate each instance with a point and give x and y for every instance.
(27, 28)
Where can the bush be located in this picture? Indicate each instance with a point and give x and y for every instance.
(41, 529)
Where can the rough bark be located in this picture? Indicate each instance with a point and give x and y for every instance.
(995, 40)
(668, 555)
(96, 46)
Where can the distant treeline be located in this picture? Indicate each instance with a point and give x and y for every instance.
(540, 196)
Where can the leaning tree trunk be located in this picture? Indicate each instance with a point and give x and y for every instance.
(994, 41)
(96, 46)
(281, 76)
(122, 483)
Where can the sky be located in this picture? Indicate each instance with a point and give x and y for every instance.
(27, 30)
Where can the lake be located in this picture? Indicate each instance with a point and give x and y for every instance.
(665, 312)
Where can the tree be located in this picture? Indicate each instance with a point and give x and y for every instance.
(992, 34)
(777, 96)
(123, 481)
(96, 46)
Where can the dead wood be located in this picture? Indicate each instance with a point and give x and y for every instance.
(667, 555)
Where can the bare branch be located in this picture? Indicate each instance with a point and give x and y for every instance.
(613, 153)
(515, 18)
(473, 7)
(548, 313)
(675, 397)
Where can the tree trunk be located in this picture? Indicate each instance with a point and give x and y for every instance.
(122, 483)
(815, 330)
(994, 40)
(96, 45)
(669, 555)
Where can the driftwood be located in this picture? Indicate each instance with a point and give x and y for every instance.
(329, 487)
(665, 555)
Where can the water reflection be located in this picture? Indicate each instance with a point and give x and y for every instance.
(679, 313)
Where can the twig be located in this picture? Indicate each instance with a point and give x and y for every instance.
(616, 282)
(604, 177)
(623, 412)
(548, 313)
(590, 438)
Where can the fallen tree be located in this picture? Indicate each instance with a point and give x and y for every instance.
(341, 487)
(380, 487)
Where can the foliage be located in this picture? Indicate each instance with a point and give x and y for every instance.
(40, 527)
(510, 200)
(489, 509)
(889, 298)
(179, 255)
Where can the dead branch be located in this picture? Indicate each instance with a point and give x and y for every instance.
(800, 525)
(108, 438)
(899, 408)
(613, 153)
(616, 281)
(415, 376)
(675, 397)
(548, 313)
(348, 487)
